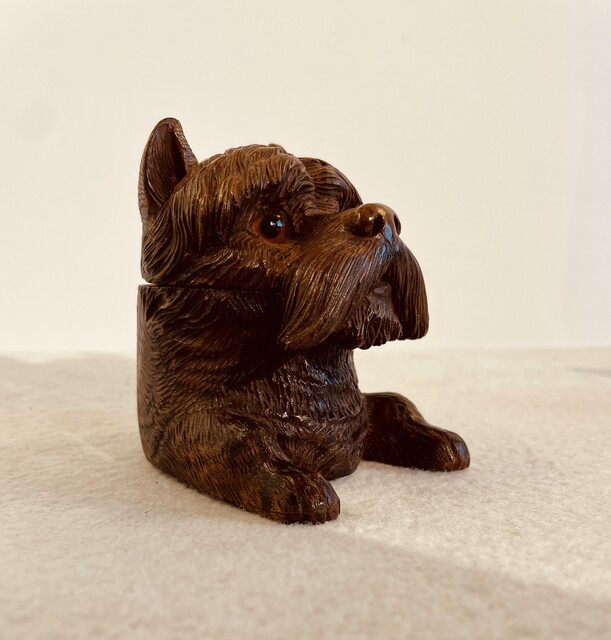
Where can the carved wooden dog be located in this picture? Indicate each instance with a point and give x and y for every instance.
(265, 272)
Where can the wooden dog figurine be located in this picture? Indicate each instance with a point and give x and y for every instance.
(266, 271)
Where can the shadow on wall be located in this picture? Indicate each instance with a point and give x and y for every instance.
(588, 261)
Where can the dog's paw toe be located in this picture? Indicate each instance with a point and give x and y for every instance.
(309, 499)
(452, 453)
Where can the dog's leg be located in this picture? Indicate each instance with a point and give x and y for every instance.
(399, 435)
(234, 461)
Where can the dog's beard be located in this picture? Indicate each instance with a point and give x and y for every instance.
(373, 323)
(355, 299)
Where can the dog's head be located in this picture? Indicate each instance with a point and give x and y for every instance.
(257, 218)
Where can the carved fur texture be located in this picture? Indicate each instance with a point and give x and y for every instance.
(266, 270)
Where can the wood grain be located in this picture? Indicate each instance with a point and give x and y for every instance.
(265, 272)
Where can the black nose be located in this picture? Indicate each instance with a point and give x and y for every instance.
(370, 220)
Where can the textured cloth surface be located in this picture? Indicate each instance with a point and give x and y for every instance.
(96, 543)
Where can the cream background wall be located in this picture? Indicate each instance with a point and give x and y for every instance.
(485, 125)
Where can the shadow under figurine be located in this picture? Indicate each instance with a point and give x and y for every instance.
(266, 271)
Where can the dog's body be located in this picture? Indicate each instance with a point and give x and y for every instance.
(266, 271)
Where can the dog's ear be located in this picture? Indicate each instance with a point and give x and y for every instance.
(167, 158)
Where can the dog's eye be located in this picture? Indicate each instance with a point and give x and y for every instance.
(272, 227)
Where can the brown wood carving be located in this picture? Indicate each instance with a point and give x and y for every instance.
(265, 271)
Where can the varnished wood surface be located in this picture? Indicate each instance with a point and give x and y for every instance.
(266, 271)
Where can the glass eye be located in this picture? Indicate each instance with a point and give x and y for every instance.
(272, 227)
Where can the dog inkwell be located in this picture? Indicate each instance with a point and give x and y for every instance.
(265, 271)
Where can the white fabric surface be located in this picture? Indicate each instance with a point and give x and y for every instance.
(96, 543)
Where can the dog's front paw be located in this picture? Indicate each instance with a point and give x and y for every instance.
(304, 497)
(399, 435)
(446, 451)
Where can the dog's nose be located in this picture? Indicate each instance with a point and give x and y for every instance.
(370, 220)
